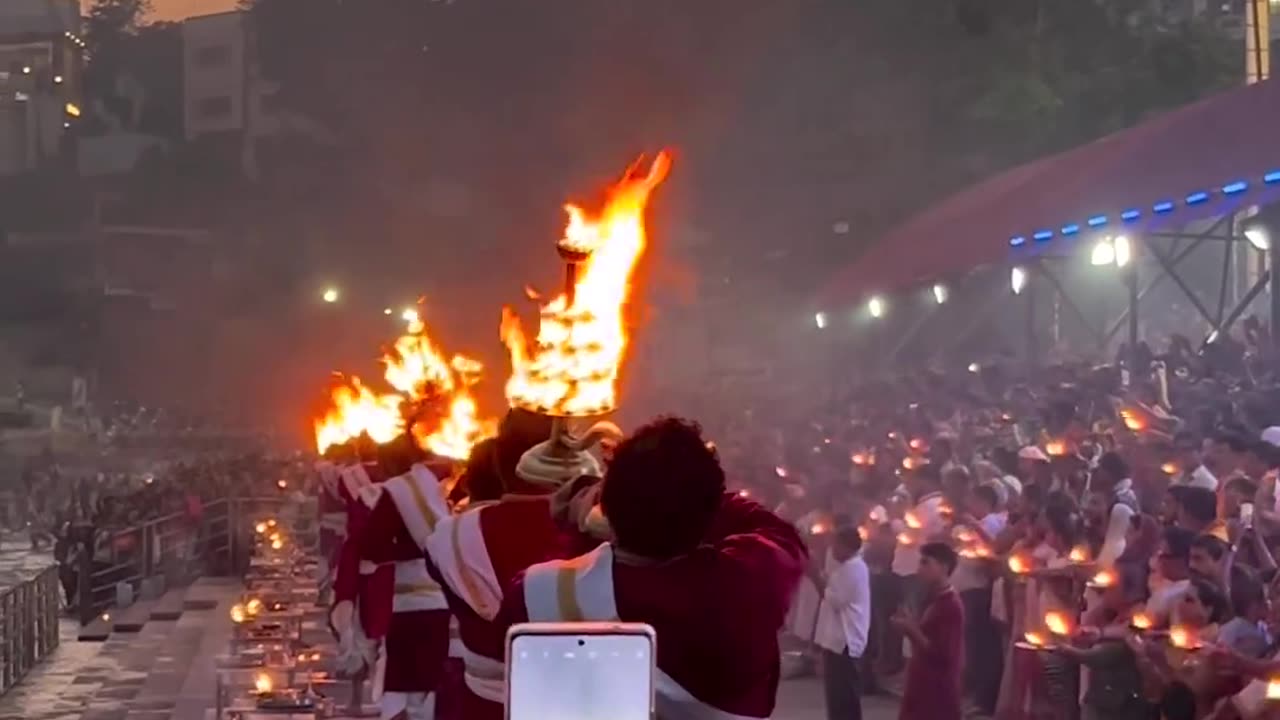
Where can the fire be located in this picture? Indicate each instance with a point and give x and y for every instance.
(356, 410)
(418, 369)
(1273, 689)
(1057, 623)
(1079, 554)
(262, 684)
(1104, 579)
(1034, 638)
(1055, 448)
(1132, 420)
(1169, 468)
(913, 520)
(573, 368)
(423, 376)
(238, 614)
(1019, 565)
(1183, 638)
(1142, 621)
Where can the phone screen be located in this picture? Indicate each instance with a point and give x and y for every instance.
(1246, 514)
(580, 677)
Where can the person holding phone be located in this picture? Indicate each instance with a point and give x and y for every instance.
(712, 572)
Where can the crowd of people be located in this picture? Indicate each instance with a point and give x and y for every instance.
(1071, 541)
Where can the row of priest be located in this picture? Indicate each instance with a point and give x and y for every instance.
(515, 537)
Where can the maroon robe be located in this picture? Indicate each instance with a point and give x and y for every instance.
(717, 611)
(417, 639)
(366, 585)
(474, 556)
(933, 690)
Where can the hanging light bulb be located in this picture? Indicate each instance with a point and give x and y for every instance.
(1017, 279)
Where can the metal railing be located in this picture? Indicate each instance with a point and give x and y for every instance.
(29, 613)
(179, 548)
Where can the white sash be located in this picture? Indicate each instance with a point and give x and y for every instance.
(415, 590)
(484, 676)
(459, 552)
(421, 503)
(581, 590)
(355, 477)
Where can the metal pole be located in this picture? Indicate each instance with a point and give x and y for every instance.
(1273, 275)
(1131, 277)
(1030, 290)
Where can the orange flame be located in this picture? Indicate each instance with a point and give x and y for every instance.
(1079, 554)
(573, 368)
(1132, 420)
(357, 410)
(1142, 621)
(1103, 579)
(1034, 638)
(417, 369)
(1183, 638)
(1057, 623)
(1019, 564)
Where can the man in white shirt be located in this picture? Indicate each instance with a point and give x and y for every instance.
(843, 622)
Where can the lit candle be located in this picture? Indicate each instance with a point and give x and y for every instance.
(1056, 448)
(262, 683)
(1079, 554)
(1019, 565)
(253, 607)
(1169, 468)
(1142, 621)
(238, 613)
(271, 522)
(1035, 638)
(912, 520)
(260, 528)
(277, 544)
(1131, 420)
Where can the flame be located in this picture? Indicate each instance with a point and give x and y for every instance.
(573, 368)
(1183, 638)
(1142, 621)
(1055, 448)
(1104, 579)
(1273, 689)
(1132, 420)
(859, 458)
(1057, 623)
(906, 539)
(818, 528)
(780, 471)
(1169, 468)
(864, 533)
(913, 520)
(1019, 565)
(238, 614)
(1035, 638)
(964, 534)
(262, 683)
(253, 607)
(260, 528)
(356, 410)
(916, 444)
(1079, 554)
(418, 369)
(421, 374)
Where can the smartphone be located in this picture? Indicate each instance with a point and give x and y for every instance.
(1246, 514)
(580, 671)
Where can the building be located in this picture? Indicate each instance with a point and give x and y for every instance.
(41, 81)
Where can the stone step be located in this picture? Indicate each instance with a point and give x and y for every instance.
(170, 605)
(97, 631)
(132, 618)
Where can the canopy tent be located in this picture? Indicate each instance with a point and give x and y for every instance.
(1203, 160)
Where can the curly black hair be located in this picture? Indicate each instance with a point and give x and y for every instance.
(662, 489)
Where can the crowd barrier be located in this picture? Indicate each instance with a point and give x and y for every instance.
(29, 616)
(114, 566)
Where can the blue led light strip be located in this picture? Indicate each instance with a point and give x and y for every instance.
(1198, 197)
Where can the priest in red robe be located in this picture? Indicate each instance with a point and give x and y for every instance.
(361, 612)
(713, 573)
(405, 512)
(506, 527)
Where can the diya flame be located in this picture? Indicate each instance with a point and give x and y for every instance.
(572, 368)
(446, 420)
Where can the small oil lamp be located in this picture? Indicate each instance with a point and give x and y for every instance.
(271, 522)
(1132, 420)
(1183, 638)
(1035, 640)
(1103, 579)
(1142, 622)
(277, 544)
(1055, 448)
(238, 614)
(262, 684)
(253, 607)
(260, 528)
(1019, 565)
(1079, 554)
(1057, 623)
(1169, 468)
(912, 520)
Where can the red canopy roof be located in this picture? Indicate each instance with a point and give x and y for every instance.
(1209, 146)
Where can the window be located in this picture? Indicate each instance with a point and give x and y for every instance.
(214, 107)
(213, 56)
